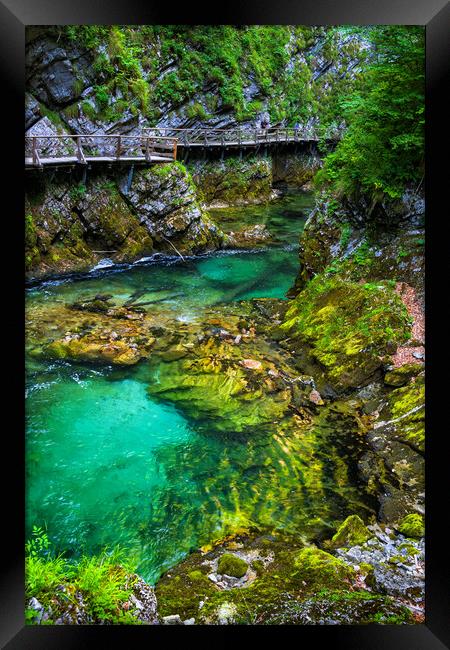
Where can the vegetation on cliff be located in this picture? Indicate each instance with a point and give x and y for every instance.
(382, 150)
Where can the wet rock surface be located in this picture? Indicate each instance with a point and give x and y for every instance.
(72, 227)
(379, 581)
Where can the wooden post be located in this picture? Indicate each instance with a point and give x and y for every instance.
(80, 155)
(185, 137)
(147, 149)
(119, 142)
(205, 138)
(239, 137)
(256, 136)
(175, 143)
(34, 152)
(222, 139)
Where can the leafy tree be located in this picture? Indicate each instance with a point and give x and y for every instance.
(383, 148)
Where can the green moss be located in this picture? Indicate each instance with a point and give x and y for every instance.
(351, 533)
(233, 181)
(347, 326)
(232, 565)
(180, 592)
(401, 376)
(412, 525)
(320, 569)
(408, 403)
(30, 232)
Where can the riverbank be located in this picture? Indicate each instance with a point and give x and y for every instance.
(232, 346)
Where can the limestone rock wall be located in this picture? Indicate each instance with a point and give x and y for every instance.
(71, 226)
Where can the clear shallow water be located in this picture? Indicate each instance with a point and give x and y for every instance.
(108, 465)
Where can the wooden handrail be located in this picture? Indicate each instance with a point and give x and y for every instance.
(152, 144)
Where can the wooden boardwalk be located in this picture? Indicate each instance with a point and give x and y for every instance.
(237, 137)
(151, 146)
(71, 150)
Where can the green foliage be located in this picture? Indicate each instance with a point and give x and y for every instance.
(43, 571)
(224, 57)
(383, 148)
(51, 115)
(101, 580)
(104, 581)
(78, 86)
(89, 110)
(346, 231)
(78, 192)
(196, 110)
(71, 111)
(30, 232)
(101, 97)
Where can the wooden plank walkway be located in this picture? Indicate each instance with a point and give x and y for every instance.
(71, 150)
(151, 146)
(237, 137)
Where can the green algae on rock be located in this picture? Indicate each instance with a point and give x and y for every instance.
(347, 327)
(232, 565)
(351, 532)
(213, 382)
(413, 525)
(293, 585)
(400, 376)
(407, 407)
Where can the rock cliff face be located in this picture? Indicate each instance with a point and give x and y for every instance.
(72, 226)
(110, 80)
(102, 79)
(372, 346)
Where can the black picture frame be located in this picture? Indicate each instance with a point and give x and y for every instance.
(15, 15)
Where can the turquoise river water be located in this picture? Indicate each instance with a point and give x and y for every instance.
(107, 465)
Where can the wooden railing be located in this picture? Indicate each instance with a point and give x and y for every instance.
(240, 137)
(41, 150)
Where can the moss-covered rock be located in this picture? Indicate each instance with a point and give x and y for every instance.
(351, 532)
(232, 565)
(347, 327)
(413, 525)
(72, 225)
(317, 568)
(181, 589)
(165, 198)
(407, 408)
(400, 376)
(233, 181)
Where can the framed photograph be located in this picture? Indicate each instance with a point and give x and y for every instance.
(224, 222)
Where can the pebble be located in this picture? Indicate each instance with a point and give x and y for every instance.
(173, 619)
